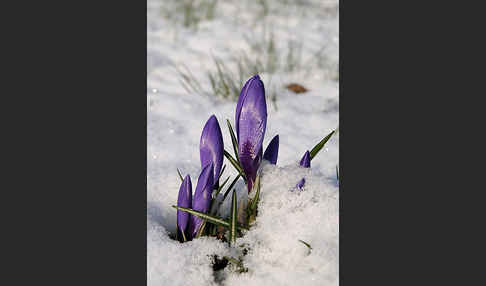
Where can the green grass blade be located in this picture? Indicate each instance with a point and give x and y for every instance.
(221, 187)
(211, 219)
(319, 145)
(235, 164)
(201, 230)
(233, 221)
(231, 186)
(306, 244)
(180, 176)
(232, 260)
(254, 202)
(222, 171)
(237, 263)
(233, 140)
(252, 208)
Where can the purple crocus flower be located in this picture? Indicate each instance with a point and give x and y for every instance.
(271, 153)
(211, 146)
(202, 197)
(184, 200)
(304, 162)
(250, 123)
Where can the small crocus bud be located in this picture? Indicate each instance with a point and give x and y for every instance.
(304, 162)
(211, 146)
(271, 153)
(250, 123)
(202, 197)
(184, 200)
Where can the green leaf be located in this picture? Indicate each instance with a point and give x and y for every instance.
(211, 219)
(319, 145)
(306, 244)
(252, 207)
(201, 229)
(254, 202)
(233, 221)
(180, 176)
(237, 263)
(221, 187)
(231, 186)
(233, 140)
(222, 170)
(233, 260)
(235, 164)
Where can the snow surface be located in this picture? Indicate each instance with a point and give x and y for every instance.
(175, 119)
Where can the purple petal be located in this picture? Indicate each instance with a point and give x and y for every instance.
(271, 153)
(251, 124)
(243, 94)
(211, 146)
(202, 197)
(305, 161)
(301, 183)
(184, 200)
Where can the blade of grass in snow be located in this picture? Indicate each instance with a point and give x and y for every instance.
(201, 229)
(231, 186)
(319, 145)
(237, 263)
(222, 171)
(254, 202)
(233, 140)
(221, 187)
(306, 244)
(235, 164)
(211, 219)
(233, 221)
(180, 176)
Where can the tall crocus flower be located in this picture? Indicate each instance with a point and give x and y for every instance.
(271, 153)
(184, 200)
(211, 146)
(202, 197)
(250, 123)
(304, 162)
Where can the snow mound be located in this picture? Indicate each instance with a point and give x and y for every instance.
(274, 254)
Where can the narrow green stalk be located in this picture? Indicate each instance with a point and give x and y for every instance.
(319, 145)
(180, 176)
(233, 220)
(233, 140)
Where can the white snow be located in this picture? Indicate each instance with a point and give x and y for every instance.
(175, 120)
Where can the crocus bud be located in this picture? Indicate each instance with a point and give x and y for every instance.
(304, 162)
(271, 153)
(202, 197)
(250, 123)
(211, 146)
(184, 200)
